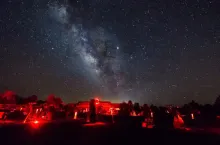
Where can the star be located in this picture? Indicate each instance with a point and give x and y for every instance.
(135, 52)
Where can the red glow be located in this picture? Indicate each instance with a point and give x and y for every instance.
(95, 124)
(96, 101)
(75, 115)
(188, 129)
(152, 114)
(36, 122)
(144, 124)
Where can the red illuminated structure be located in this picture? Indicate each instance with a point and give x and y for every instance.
(106, 106)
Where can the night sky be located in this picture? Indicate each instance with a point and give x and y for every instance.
(150, 51)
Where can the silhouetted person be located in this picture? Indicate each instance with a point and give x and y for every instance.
(92, 110)
(146, 110)
(163, 119)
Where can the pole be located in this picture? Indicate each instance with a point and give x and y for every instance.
(28, 114)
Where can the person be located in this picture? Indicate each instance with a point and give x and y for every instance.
(178, 121)
(92, 111)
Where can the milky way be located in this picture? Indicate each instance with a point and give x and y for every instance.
(149, 51)
(87, 46)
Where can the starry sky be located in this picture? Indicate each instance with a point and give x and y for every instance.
(149, 51)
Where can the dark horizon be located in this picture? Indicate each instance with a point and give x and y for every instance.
(101, 99)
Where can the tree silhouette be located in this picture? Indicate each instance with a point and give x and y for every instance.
(9, 97)
(32, 99)
(54, 101)
(130, 104)
(217, 101)
(58, 100)
(51, 99)
(40, 102)
(137, 108)
(193, 105)
(217, 105)
(146, 110)
(20, 100)
(124, 109)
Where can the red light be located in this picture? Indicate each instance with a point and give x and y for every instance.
(152, 114)
(188, 129)
(75, 115)
(192, 116)
(144, 124)
(95, 124)
(36, 122)
(96, 101)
